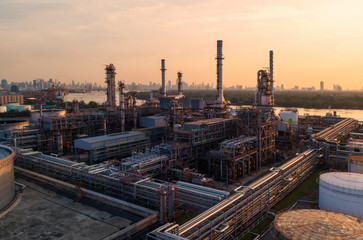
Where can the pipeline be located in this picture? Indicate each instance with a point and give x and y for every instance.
(231, 216)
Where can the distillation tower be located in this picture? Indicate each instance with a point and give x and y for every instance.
(111, 85)
(220, 98)
(264, 96)
(163, 87)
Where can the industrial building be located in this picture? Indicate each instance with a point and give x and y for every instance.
(173, 154)
(11, 98)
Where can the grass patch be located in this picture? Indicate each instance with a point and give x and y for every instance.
(183, 216)
(308, 190)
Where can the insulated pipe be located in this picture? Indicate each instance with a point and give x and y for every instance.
(219, 58)
(163, 87)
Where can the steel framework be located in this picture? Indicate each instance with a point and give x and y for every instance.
(235, 158)
(232, 216)
(109, 180)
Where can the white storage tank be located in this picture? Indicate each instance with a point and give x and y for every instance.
(341, 192)
(7, 182)
(356, 163)
(316, 224)
(35, 115)
(290, 116)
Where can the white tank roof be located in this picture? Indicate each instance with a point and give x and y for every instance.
(344, 179)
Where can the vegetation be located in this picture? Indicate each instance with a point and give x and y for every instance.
(15, 114)
(302, 99)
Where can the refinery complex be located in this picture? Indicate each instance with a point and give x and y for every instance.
(179, 168)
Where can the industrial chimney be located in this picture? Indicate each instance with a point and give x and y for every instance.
(271, 77)
(122, 104)
(220, 97)
(111, 85)
(163, 69)
(180, 83)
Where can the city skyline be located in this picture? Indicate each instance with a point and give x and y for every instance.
(313, 41)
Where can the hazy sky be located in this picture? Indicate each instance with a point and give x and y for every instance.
(313, 40)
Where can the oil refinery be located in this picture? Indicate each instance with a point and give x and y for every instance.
(143, 167)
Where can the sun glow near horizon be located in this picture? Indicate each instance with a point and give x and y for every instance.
(313, 41)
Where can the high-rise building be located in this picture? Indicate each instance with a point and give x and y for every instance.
(4, 84)
(321, 86)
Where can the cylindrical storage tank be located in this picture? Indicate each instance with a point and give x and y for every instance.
(18, 107)
(7, 183)
(316, 224)
(35, 115)
(290, 116)
(356, 163)
(10, 124)
(341, 192)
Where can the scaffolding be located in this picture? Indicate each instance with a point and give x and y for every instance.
(201, 136)
(259, 122)
(235, 158)
(57, 134)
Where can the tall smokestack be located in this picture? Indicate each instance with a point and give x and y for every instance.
(163, 69)
(111, 85)
(180, 83)
(271, 77)
(220, 97)
(121, 86)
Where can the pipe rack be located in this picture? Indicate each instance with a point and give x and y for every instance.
(230, 217)
(109, 180)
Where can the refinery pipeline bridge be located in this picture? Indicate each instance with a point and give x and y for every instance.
(234, 215)
(226, 215)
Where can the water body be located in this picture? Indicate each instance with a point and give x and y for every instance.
(100, 97)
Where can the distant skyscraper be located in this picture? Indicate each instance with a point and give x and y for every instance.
(282, 86)
(4, 84)
(321, 86)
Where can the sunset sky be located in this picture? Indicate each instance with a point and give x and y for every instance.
(313, 40)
